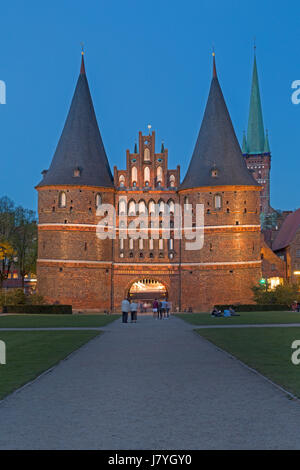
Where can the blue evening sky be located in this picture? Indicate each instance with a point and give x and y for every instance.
(147, 62)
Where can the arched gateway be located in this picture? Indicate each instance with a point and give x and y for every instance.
(147, 290)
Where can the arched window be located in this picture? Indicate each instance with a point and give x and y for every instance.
(134, 175)
(98, 200)
(171, 206)
(62, 200)
(186, 200)
(132, 208)
(131, 243)
(218, 201)
(151, 207)
(146, 155)
(122, 207)
(122, 180)
(146, 175)
(172, 181)
(142, 207)
(159, 174)
(161, 207)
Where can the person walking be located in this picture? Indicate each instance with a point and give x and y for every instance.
(133, 311)
(155, 308)
(125, 309)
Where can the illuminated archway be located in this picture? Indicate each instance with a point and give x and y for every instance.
(147, 290)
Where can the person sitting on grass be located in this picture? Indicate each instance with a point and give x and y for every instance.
(215, 312)
(233, 313)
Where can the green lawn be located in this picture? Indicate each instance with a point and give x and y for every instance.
(29, 353)
(267, 350)
(246, 318)
(48, 321)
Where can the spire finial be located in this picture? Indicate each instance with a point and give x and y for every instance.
(214, 64)
(254, 45)
(82, 68)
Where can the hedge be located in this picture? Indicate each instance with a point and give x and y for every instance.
(255, 307)
(39, 309)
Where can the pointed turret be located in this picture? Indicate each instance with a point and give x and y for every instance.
(256, 133)
(217, 158)
(162, 147)
(80, 156)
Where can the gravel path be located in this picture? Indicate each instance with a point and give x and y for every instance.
(150, 385)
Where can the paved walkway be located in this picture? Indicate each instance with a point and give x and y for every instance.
(150, 385)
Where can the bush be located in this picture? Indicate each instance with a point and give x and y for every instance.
(255, 307)
(12, 297)
(40, 309)
(17, 297)
(282, 294)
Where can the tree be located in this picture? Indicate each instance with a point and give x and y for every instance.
(18, 233)
(6, 258)
(25, 241)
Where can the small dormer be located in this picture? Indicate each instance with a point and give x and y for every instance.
(77, 172)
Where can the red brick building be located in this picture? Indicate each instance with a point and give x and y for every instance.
(77, 267)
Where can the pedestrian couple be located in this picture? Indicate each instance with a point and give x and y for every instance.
(129, 307)
(161, 309)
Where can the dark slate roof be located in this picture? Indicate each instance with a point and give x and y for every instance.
(287, 231)
(217, 147)
(80, 145)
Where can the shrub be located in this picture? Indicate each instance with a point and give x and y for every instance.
(282, 294)
(12, 297)
(40, 309)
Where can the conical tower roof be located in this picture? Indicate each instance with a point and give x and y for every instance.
(80, 146)
(217, 158)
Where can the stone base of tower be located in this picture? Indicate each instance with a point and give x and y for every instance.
(83, 287)
(204, 288)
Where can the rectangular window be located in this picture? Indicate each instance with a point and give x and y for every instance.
(161, 244)
(298, 253)
(151, 244)
(131, 243)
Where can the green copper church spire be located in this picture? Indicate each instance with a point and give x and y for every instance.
(244, 144)
(267, 145)
(255, 134)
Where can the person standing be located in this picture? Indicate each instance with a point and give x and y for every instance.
(125, 309)
(160, 310)
(168, 308)
(155, 308)
(133, 311)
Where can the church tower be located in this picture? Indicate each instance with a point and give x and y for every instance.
(228, 265)
(256, 148)
(74, 266)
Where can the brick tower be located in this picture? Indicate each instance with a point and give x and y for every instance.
(217, 177)
(74, 266)
(256, 148)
